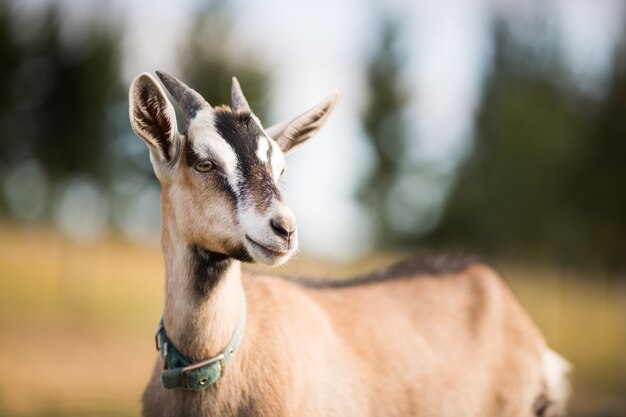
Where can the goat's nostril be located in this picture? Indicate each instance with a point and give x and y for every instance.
(282, 228)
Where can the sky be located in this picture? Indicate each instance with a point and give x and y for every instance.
(316, 47)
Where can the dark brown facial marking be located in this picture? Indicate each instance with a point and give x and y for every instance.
(242, 133)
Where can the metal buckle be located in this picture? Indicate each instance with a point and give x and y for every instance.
(164, 355)
(197, 365)
(156, 335)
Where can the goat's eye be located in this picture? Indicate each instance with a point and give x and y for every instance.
(282, 172)
(203, 166)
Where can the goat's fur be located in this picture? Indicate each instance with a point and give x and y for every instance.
(431, 337)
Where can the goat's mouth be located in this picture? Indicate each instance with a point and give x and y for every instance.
(266, 251)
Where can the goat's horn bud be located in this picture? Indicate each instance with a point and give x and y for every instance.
(237, 99)
(189, 100)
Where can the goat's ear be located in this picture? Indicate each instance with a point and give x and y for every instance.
(290, 134)
(152, 118)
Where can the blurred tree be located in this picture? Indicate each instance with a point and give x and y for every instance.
(214, 54)
(55, 94)
(385, 128)
(545, 176)
(599, 184)
(511, 195)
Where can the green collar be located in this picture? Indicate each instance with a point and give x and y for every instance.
(181, 371)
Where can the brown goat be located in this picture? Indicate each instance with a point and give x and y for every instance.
(429, 337)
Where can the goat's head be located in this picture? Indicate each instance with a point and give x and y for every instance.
(220, 178)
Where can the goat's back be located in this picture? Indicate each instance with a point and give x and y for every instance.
(441, 341)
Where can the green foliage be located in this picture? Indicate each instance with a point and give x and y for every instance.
(55, 93)
(545, 176)
(54, 96)
(599, 182)
(510, 194)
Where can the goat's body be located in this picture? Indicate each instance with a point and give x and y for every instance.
(425, 339)
(452, 344)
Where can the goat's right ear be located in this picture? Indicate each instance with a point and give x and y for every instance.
(152, 118)
(293, 133)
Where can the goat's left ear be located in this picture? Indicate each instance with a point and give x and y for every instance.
(152, 118)
(290, 134)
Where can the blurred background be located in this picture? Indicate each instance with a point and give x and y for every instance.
(497, 127)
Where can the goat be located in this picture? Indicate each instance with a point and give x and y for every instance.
(436, 337)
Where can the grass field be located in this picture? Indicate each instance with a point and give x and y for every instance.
(77, 324)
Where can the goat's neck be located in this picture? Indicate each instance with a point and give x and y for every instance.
(203, 296)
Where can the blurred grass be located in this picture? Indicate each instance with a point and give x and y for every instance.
(77, 323)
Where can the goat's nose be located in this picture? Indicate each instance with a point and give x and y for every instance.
(283, 227)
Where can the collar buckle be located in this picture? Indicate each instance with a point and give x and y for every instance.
(181, 371)
(157, 338)
(184, 372)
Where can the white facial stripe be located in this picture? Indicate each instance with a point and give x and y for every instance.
(208, 143)
(278, 159)
(263, 145)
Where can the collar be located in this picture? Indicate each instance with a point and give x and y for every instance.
(180, 371)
